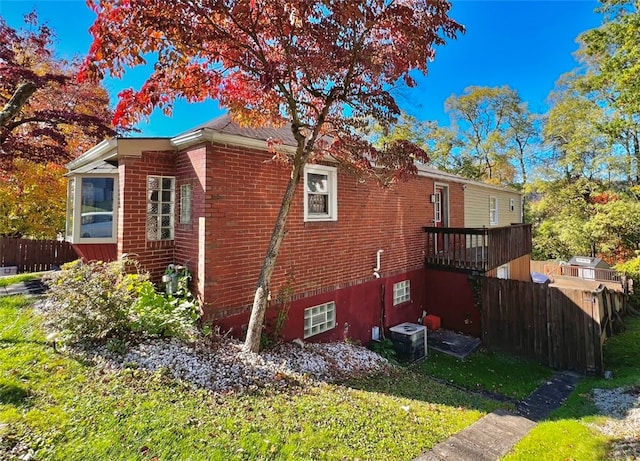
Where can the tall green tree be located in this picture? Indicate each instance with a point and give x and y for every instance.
(612, 57)
(572, 132)
(495, 134)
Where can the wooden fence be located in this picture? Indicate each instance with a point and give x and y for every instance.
(34, 255)
(563, 328)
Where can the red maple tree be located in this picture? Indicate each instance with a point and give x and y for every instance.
(45, 114)
(326, 67)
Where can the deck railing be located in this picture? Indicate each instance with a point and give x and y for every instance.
(480, 249)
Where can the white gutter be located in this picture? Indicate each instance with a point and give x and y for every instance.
(97, 152)
(207, 134)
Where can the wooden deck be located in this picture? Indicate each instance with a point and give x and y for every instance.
(476, 249)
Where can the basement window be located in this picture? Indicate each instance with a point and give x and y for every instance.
(401, 292)
(318, 319)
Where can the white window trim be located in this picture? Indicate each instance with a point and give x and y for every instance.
(159, 216)
(324, 315)
(401, 292)
(493, 212)
(502, 272)
(332, 175)
(77, 210)
(512, 204)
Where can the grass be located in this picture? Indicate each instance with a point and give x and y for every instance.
(488, 371)
(11, 279)
(67, 410)
(566, 435)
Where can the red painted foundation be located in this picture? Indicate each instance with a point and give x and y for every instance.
(358, 309)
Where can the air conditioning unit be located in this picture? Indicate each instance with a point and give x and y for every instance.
(409, 341)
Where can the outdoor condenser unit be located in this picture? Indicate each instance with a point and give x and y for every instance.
(409, 341)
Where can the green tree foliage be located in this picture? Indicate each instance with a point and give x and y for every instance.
(572, 132)
(612, 56)
(494, 135)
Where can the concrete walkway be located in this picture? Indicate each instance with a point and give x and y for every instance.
(32, 287)
(492, 437)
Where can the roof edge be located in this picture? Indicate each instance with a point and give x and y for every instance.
(97, 152)
(207, 134)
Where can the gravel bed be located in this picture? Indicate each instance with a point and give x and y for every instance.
(622, 408)
(222, 366)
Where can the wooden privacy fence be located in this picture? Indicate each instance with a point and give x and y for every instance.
(34, 255)
(563, 328)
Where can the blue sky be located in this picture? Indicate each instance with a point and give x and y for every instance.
(524, 44)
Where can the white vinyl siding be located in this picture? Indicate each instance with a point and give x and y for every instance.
(476, 206)
(318, 319)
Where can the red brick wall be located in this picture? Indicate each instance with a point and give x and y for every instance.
(132, 206)
(317, 257)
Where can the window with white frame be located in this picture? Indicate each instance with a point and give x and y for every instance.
(160, 207)
(91, 209)
(493, 210)
(320, 193)
(401, 292)
(437, 208)
(502, 272)
(512, 204)
(318, 319)
(185, 204)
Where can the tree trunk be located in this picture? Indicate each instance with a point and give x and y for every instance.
(17, 101)
(254, 330)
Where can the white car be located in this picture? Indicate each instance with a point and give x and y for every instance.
(97, 224)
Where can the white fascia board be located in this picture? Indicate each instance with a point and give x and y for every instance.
(208, 135)
(448, 177)
(100, 151)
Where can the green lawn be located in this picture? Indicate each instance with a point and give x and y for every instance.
(67, 410)
(566, 435)
(11, 279)
(483, 370)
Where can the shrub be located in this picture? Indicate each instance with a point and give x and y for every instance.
(113, 300)
(631, 269)
(93, 300)
(164, 315)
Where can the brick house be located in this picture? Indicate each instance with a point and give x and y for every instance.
(208, 199)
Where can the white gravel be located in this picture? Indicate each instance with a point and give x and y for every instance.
(222, 366)
(622, 409)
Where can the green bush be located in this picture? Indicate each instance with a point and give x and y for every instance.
(115, 300)
(631, 269)
(164, 315)
(93, 300)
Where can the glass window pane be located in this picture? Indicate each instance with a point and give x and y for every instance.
(318, 204)
(317, 183)
(167, 183)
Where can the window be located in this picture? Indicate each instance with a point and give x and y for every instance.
(502, 272)
(91, 209)
(320, 193)
(160, 207)
(512, 205)
(319, 319)
(437, 207)
(401, 292)
(493, 210)
(185, 204)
